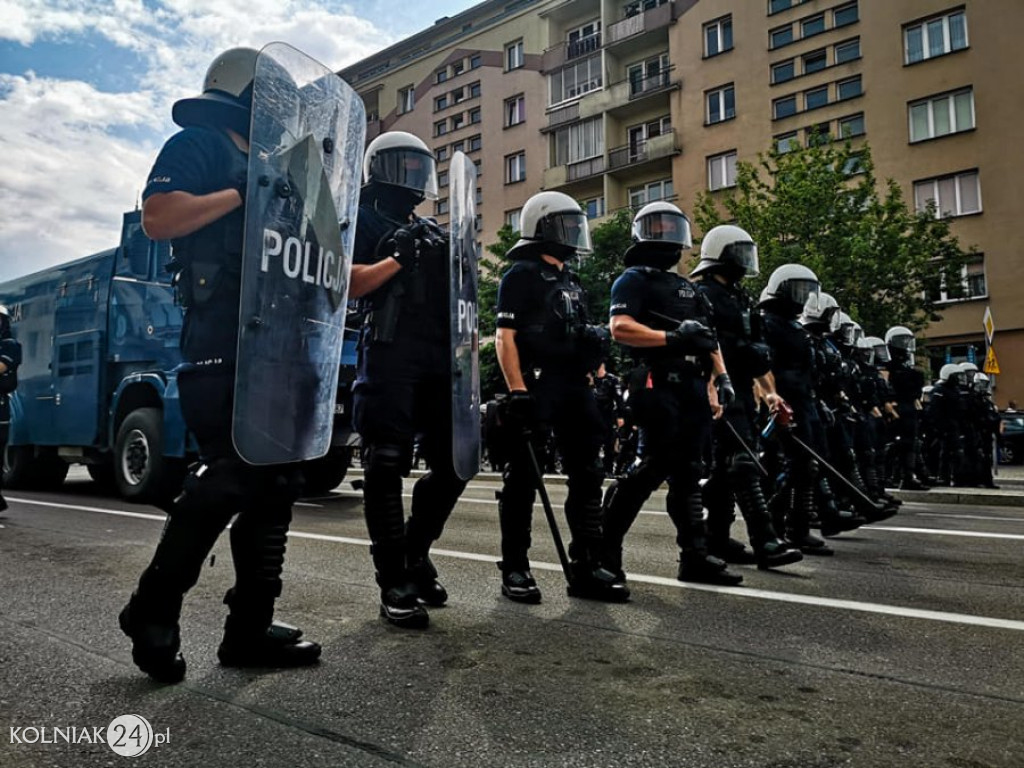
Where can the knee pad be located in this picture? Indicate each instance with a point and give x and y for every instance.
(742, 467)
(389, 457)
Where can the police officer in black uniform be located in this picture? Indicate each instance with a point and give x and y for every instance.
(609, 403)
(403, 386)
(195, 198)
(907, 383)
(545, 349)
(667, 324)
(10, 359)
(728, 255)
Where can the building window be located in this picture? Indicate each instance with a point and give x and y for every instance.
(594, 208)
(512, 219)
(441, 206)
(579, 141)
(787, 142)
(784, 107)
(515, 168)
(441, 153)
(442, 178)
(848, 89)
(718, 36)
(406, 99)
(957, 195)
(780, 36)
(458, 146)
(458, 121)
(648, 193)
(440, 127)
(515, 110)
(845, 15)
(514, 55)
(935, 37)
(575, 79)
(475, 143)
(474, 61)
(648, 75)
(479, 195)
(458, 68)
(774, 6)
(479, 167)
(847, 51)
(851, 126)
(583, 39)
(478, 222)
(818, 134)
(459, 94)
(783, 71)
(815, 61)
(721, 104)
(722, 171)
(442, 75)
(815, 25)
(973, 284)
(942, 115)
(474, 90)
(474, 116)
(441, 102)
(816, 97)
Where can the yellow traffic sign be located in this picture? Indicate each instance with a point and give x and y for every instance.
(989, 325)
(991, 364)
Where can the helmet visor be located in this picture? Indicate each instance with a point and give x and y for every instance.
(742, 254)
(834, 319)
(663, 227)
(568, 228)
(409, 168)
(866, 355)
(799, 291)
(906, 343)
(882, 354)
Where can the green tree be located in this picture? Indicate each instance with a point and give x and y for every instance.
(822, 206)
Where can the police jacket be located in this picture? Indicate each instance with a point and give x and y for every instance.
(10, 356)
(793, 357)
(661, 299)
(740, 331)
(906, 383)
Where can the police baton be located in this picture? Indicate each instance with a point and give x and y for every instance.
(549, 513)
(746, 448)
(837, 474)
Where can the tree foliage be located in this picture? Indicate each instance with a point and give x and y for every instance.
(821, 206)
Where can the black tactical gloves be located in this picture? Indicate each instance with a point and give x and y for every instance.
(691, 337)
(726, 393)
(521, 413)
(402, 246)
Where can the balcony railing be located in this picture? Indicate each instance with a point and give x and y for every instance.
(585, 168)
(637, 20)
(642, 151)
(582, 46)
(639, 86)
(564, 114)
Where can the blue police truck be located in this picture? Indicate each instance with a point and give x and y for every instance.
(98, 386)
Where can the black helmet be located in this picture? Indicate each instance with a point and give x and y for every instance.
(226, 100)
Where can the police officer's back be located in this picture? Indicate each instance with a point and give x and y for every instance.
(10, 359)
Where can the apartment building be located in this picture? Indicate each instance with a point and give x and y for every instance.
(620, 102)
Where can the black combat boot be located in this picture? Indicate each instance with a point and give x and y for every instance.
(732, 551)
(591, 581)
(703, 568)
(769, 550)
(399, 597)
(253, 639)
(423, 575)
(695, 564)
(518, 584)
(799, 531)
(156, 639)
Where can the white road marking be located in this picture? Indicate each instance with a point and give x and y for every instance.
(941, 532)
(759, 594)
(968, 517)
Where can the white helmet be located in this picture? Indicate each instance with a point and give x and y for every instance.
(901, 343)
(662, 222)
(552, 219)
(950, 372)
(226, 99)
(401, 160)
(864, 351)
(968, 368)
(881, 350)
(982, 383)
(791, 284)
(821, 308)
(847, 334)
(728, 245)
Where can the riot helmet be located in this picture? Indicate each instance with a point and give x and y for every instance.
(226, 100)
(729, 251)
(847, 334)
(402, 163)
(821, 309)
(881, 350)
(982, 383)
(968, 368)
(901, 343)
(660, 233)
(864, 351)
(5, 322)
(789, 288)
(950, 373)
(552, 223)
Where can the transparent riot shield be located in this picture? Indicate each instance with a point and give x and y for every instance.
(305, 159)
(465, 337)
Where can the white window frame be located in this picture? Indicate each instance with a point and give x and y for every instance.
(641, 195)
(717, 28)
(406, 99)
(957, 209)
(477, 113)
(515, 167)
(718, 94)
(947, 38)
(582, 141)
(442, 206)
(592, 79)
(804, 22)
(855, 79)
(775, 30)
(840, 9)
(951, 106)
(849, 119)
(515, 110)
(776, 102)
(654, 66)
(720, 168)
(818, 52)
(513, 218)
(514, 55)
(791, 63)
(817, 90)
(845, 44)
(787, 142)
(599, 207)
(973, 259)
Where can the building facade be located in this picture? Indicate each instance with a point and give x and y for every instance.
(618, 103)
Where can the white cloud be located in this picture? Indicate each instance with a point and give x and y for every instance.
(69, 170)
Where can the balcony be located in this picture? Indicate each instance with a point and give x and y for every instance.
(560, 175)
(562, 115)
(582, 46)
(638, 21)
(641, 86)
(643, 151)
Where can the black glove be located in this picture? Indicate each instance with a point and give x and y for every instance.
(726, 394)
(691, 336)
(521, 413)
(827, 414)
(403, 248)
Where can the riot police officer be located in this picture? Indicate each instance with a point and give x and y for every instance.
(609, 404)
(403, 384)
(10, 359)
(667, 325)
(195, 198)
(727, 256)
(945, 414)
(546, 347)
(906, 382)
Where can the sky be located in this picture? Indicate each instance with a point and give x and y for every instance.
(86, 88)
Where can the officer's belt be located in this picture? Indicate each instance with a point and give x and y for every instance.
(682, 370)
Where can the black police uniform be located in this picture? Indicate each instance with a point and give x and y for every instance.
(735, 477)
(403, 390)
(200, 161)
(945, 414)
(609, 403)
(668, 398)
(10, 356)
(907, 385)
(545, 305)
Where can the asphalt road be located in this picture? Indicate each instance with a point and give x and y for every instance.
(906, 649)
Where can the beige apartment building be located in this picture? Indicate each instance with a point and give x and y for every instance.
(620, 102)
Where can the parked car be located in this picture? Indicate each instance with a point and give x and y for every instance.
(1011, 438)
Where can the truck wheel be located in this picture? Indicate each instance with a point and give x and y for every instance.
(24, 469)
(324, 475)
(141, 472)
